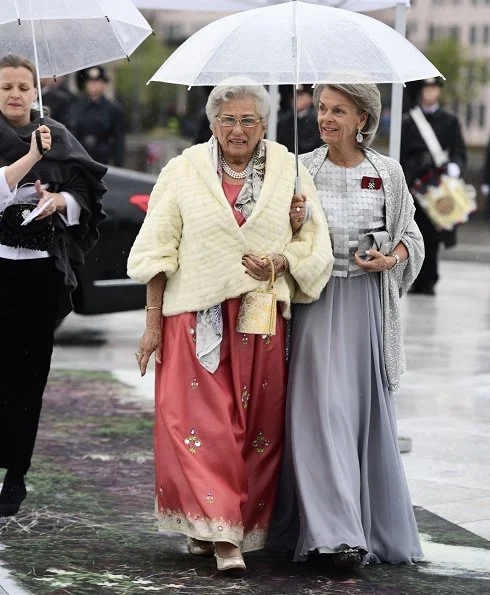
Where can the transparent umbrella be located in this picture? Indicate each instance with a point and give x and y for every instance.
(62, 36)
(401, 8)
(294, 43)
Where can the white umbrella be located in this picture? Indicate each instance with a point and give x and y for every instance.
(236, 5)
(401, 6)
(294, 43)
(62, 36)
(194, 5)
(305, 43)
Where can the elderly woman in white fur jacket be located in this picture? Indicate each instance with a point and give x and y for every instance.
(215, 214)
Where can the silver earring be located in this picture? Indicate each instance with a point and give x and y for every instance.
(359, 137)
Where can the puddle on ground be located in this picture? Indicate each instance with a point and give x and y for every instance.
(454, 560)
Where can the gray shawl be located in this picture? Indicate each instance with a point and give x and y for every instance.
(400, 224)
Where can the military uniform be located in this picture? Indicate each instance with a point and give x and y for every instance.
(99, 126)
(59, 101)
(308, 134)
(97, 122)
(416, 159)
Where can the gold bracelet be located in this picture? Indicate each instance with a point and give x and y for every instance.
(152, 308)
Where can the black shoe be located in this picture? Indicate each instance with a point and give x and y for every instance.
(13, 494)
(422, 289)
(348, 559)
(430, 289)
(414, 290)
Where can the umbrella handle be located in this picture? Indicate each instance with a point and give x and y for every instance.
(39, 144)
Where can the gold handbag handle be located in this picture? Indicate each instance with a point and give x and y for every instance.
(272, 280)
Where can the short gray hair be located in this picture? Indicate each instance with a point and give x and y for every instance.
(367, 99)
(224, 93)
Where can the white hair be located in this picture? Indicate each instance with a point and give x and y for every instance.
(225, 92)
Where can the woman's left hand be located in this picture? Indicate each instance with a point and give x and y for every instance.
(58, 201)
(378, 262)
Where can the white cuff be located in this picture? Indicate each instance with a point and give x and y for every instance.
(73, 210)
(453, 170)
(6, 194)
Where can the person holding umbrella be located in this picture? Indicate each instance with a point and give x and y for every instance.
(346, 357)
(218, 228)
(58, 178)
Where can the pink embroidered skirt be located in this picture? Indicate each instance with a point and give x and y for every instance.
(218, 437)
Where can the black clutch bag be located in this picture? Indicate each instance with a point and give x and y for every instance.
(36, 235)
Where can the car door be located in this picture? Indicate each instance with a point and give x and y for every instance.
(104, 286)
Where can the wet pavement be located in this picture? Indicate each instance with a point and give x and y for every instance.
(87, 524)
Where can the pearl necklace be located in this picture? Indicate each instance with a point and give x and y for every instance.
(236, 175)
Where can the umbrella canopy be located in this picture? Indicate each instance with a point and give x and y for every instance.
(194, 5)
(236, 5)
(306, 43)
(355, 5)
(70, 34)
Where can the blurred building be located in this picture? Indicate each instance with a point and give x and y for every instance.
(468, 21)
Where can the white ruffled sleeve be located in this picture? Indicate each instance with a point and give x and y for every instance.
(6, 194)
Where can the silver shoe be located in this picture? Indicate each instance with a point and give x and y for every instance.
(225, 564)
(200, 548)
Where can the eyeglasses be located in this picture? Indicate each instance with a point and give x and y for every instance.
(229, 121)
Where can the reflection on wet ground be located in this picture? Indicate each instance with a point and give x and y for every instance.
(88, 337)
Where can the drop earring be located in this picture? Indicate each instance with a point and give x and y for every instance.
(359, 137)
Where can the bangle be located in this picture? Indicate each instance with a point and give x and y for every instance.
(397, 260)
(286, 263)
(152, 308)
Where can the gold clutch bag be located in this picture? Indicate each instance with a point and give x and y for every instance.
(258, 310)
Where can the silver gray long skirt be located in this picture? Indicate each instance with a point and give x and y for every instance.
(342, 480)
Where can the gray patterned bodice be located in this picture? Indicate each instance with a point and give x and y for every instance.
(351, 210)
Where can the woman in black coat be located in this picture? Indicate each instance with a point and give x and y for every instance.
(37, 259)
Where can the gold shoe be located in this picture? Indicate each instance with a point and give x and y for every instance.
(196, 547)
(225, 564)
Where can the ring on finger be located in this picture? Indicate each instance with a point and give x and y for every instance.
(298, 209)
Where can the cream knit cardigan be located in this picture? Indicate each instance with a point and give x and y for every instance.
(190, 234)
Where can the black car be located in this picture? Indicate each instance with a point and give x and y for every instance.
(103, 285)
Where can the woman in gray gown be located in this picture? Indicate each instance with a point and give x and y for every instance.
(350, 498)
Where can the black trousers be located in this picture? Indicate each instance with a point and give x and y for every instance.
(429, 273)
(29, 294)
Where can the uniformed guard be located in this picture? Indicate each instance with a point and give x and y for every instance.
(308, 133)
(416, 160)
(97, 122)
(58, 98)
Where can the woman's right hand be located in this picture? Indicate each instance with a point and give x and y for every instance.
(150, 342)
(297, 212)
(45, 140)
